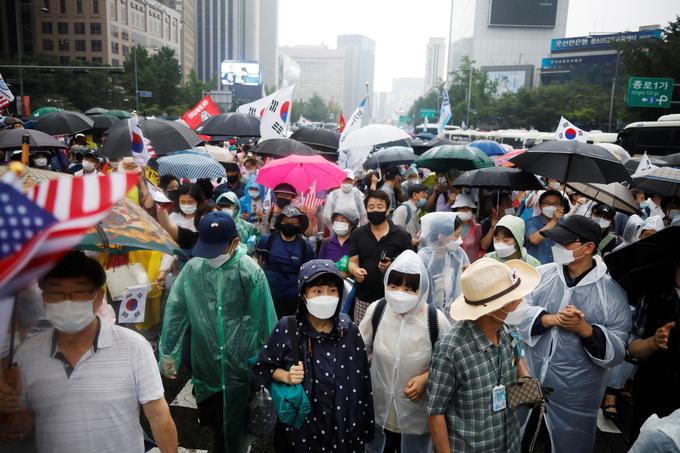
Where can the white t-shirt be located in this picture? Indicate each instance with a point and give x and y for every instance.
(178, 219)
(96, 408)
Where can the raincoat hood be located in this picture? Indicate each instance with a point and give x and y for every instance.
(251, 184)
(435, 224)
(233, 198)
(516, 226)
(410, 263)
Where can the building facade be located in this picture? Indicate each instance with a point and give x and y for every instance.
(505, 38)
(322, 71)
(435, 69)
(104, 31)
(359, 70)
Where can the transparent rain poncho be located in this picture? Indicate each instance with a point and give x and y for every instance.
(442, 257)
(560, 360)
(401, 351)
(231, 314)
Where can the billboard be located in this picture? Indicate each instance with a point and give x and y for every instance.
(235, 72)
(600, 42)
(523, 13)
(509, 78)
(568, 63)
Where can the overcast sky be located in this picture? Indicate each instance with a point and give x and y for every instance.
(401, 28)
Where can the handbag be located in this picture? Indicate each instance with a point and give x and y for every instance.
(525, 392)
(261, 414)
(290, 401)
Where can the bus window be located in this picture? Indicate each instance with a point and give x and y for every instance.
(654, 140)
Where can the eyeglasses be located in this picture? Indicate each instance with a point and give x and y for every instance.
(59, 296)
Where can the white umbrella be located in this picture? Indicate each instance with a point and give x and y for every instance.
(614, 194)
(355, 149)
(217, 152)
(617, 151)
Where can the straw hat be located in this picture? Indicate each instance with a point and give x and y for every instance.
(488, 285)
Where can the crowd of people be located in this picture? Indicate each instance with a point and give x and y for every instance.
(405, 310)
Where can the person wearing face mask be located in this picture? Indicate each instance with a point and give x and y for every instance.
(332, 367)
(475, 361)
(443, 257)
(41, 160)
(189, 198)
(222, 295)
(411, 177)
(508, 240)
(229, 203)
(251, 202)
(84, 380)
(284, 194)
(337, 244)
(488, 225)
(576, 326)
(234, 183)
(604, 215)
(407, 214)
(90, 165)
(347, 197)
(372, 249)
(471, 232)
(400, 332)
(391, 185)
(282, 253)
(169, 184)
(552, 210)
(653, 206)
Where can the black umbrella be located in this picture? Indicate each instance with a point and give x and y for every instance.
(11, 139)
(572, 161)
(647, 263)
(394, 155)
(420, 146)
(672, 159)
(324, 140)
(499, 178)
(103, 122)
(282, 147)
(96, 111)
(165, 137)
(661, 181)
(633, 163)
(64, 122)
(10, 121)
(226, 125)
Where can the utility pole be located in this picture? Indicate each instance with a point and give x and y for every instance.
(134, 58)
(448, 47)
(611, 99)
(467, 121)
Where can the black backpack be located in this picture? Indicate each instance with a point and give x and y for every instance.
(264, 252)
(432, 321)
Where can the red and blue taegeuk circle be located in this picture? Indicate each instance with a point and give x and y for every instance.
(570, 133)
(284, 111)
(131, 304)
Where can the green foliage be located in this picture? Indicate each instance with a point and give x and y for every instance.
(314, 109)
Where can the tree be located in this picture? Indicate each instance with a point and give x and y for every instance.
(159, 73)
(313, 109)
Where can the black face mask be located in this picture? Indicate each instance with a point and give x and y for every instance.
(282, 202)
(232, 178)
(288, 229)
(376, 217)
(172, 195)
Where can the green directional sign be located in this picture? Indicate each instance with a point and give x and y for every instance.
(649, 92)
(428, 113)
(405, 119)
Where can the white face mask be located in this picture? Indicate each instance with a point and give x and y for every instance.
(340, 228)
(604, 223)
(400, 301)
(322, 307)
(555, 185)
(562, 255)
(509, 211)
(548, 211)
(254, 193)
(465, 216)
(414, 181)
(219, 260)
(40, 162)
(518, 315)
(188, 209)
(70, 316)
(228, 211)
(503, 250)
(346, 187)
(87, 165)
(454, 245)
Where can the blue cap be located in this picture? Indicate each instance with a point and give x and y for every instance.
(216, 231)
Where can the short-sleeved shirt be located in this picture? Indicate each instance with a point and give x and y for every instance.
(464, 370)
(331, 249)
(364, 244)
(542, 252)
(283, 264)
(93, 406)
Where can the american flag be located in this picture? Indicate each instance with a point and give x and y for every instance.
(6, 95)
(312, 201)
(36, 229)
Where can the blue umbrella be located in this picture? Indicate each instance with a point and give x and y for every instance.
(191, 166)
(489, 147)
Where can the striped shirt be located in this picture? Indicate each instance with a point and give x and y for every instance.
(463, 372)
(94, 406)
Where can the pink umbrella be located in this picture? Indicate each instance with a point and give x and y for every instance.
(301, 172)
(504, 160)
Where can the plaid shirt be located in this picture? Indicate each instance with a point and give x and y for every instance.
(463, 373)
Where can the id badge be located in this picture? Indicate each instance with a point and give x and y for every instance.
(499, 399)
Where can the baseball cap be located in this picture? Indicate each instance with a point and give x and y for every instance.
(216, 231)
(603, 209)
(575, 228)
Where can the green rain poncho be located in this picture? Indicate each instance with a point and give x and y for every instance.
(231, 314)
(245, 229)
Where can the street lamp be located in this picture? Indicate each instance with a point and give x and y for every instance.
(20, 42)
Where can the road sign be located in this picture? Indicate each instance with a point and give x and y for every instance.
(405, 119)
(428, 113)
(145, 94)
(649, 92)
